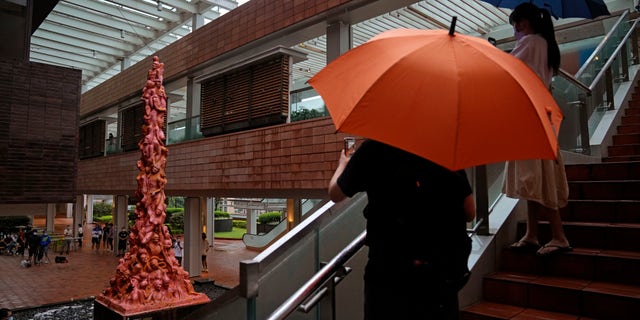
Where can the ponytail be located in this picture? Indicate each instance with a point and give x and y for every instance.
(540, 21)
(548, 33)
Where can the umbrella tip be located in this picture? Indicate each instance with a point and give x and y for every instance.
(452, 29)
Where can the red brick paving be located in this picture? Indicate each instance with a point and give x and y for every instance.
(88, 273)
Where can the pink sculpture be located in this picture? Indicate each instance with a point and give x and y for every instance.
(149, 277)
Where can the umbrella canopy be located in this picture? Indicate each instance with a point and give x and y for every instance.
(561, 8)
(453, 99)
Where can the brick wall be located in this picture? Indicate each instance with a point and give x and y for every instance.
(38, 132)
(247, 23)
(291, 160)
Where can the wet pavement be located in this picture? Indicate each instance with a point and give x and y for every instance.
(66, 290)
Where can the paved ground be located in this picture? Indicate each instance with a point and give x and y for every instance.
(88, 272)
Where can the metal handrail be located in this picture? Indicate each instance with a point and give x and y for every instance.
(574, 81)
(319, 279)
(606, 66)
(602, 43)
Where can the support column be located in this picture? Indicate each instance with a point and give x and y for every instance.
(294, 213)
(51, 216)
(89, 208)
(69, 210)
(192, 237)
(252, 224)
(197, 21)
(338, 39)
(120, 218)
(208, 206)
(125, 63)
(78, 214)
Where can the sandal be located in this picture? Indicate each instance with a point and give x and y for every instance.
(556, 249)
(524, 246)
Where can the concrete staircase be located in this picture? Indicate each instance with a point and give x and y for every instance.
(600, 279)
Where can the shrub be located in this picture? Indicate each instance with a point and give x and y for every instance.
(267, 217)
(175, 221)
(221, 215)
(174, 210)
(102, 209)
(103, 219)
(242, 224)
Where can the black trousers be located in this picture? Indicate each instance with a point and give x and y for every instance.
(396, 289)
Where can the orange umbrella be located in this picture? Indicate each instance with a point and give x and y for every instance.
(453, 99)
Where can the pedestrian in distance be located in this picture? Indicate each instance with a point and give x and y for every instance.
(68, 239)
(205, 249)
(177, 249)
(123, 235)
(80, 235)
(96, 235)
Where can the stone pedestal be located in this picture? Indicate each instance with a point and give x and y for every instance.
(102, 312)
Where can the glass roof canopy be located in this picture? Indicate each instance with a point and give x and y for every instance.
(102, 37)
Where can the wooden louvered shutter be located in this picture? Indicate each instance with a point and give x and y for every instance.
(92, 139)
(252, 96)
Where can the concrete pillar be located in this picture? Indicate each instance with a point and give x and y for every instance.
(294, 212)
(51, 216)
(120, 218)
(89, 208)
(78, 214)
(252, 225)
(69, 210)
(338, 39)
(125, 63)
(208, 206)
(192, 237)
(197, 21)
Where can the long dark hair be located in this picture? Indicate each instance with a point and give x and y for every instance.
(540, 21)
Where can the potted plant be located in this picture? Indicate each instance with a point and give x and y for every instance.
(222, 221)
(267, 221)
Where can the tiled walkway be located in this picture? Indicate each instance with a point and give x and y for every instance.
(88, 272)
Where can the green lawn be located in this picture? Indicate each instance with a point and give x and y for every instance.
(236, 233)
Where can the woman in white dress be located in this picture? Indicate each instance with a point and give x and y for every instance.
(542, 183)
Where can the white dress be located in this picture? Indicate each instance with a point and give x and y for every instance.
(543, 181)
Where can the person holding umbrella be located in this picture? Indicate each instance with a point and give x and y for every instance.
(418, 276)
(543, 183)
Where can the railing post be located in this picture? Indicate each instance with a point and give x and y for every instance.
(249, 276)
(625, 62)
(609, 87)
(482, 200)
(634, 46)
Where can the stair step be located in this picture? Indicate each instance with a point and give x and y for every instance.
(603, 300)
(630, 120)
(603, 171)
(563, 295)
(612, 211)
(621, 159)
(627, 129)
(605, 190)
(486, 310)
(624, 150)
(581, 263)
(633, 110)
(606, 236)
(630, 138)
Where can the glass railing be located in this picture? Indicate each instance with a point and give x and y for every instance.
(184, 130)
(587, 96)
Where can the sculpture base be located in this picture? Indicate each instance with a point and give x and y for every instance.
(106, 309)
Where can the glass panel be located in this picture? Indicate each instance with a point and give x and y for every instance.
(301, 258)
(306, 104)
(184, 130)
